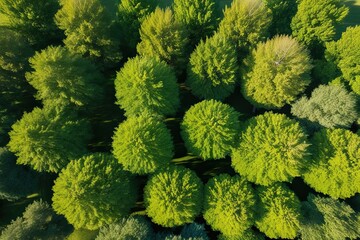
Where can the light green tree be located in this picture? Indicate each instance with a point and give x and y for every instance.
(273, 148)
(93, 191)
(276, 72)
(210, 129)
(334, 168)
(229, 205)
(213, 68)
(248, 234)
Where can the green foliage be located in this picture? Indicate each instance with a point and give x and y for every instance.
(89, 29)
(82, 234)
(6, 120)
(198, 17)
(37, 222)
(246, 235)
(146, 83)
(143, 144)
(229, 205)
(47, 139)
(341, 111)
(246, 23)
(173, 196)
(282, 11)
(93, 191)
(276, 73)
(213, 68)
(315, 21)
(132, 228)
(15, 181)
(273, 148)
(164, 38)
(279, 212)
(32, 19)
(334, 168)
(345, 54)
(210, 129)
(193, 231)
(64, 78)
(328, 219)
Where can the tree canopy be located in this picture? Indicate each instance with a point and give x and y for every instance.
(282, 13)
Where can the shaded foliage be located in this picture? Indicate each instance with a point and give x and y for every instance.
(282, 11)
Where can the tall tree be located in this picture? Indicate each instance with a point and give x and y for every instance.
(273, 148)
(276, 73)
(93, 191)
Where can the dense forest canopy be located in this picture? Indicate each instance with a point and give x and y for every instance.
(179, 119)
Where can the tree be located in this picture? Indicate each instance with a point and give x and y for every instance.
(277, 71)
(146, 83)
(345, 55)
(273, 148)
(164, 38)
(193, 231)
(32, 19)
(132, 228)
(279, 212)
(15, 181)
(282, 11)
(314, 22)
(143, 144)
(229, 205)
(328, 219)
(88, 190)
(341, 111)
(65, 78)
(213, 68)
(6, 120)
(173, 196)
(334, 167)
(47, 139)
(246, 23)
(247, 235)
(197, 16)
(38, 221)
(210, 129)
(89, 29)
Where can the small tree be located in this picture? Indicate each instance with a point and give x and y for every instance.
(334, 167)
(328, 219)
(341, 111)
(88, 200)
(246, 23)
(213, 68)
(210, 129)
(47, 139)
(273, 148)
(145, 83)
(198, 17)
(229, 205)
(279, 212)
(164, 38)
(64, 78)
(276, 73)
(315, 21)
(89, 29)
(282, 11)
(143, 144)
(173, 196)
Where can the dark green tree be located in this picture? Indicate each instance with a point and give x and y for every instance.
(93, 191)
(198, 17)
(146, 83)
(276, 73)
(340, 111)
(229, 205)
(65, 78)
(173, 196)
(32, 19)
(328, 219)
(143, 144)
(90, 29)
(282, 11)
(47, 139)
(6, 120)
(279, 212)
(164, 38)
(193, 231)
(210, 129)
(334, 168)
(213, 68)
(273, 148)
